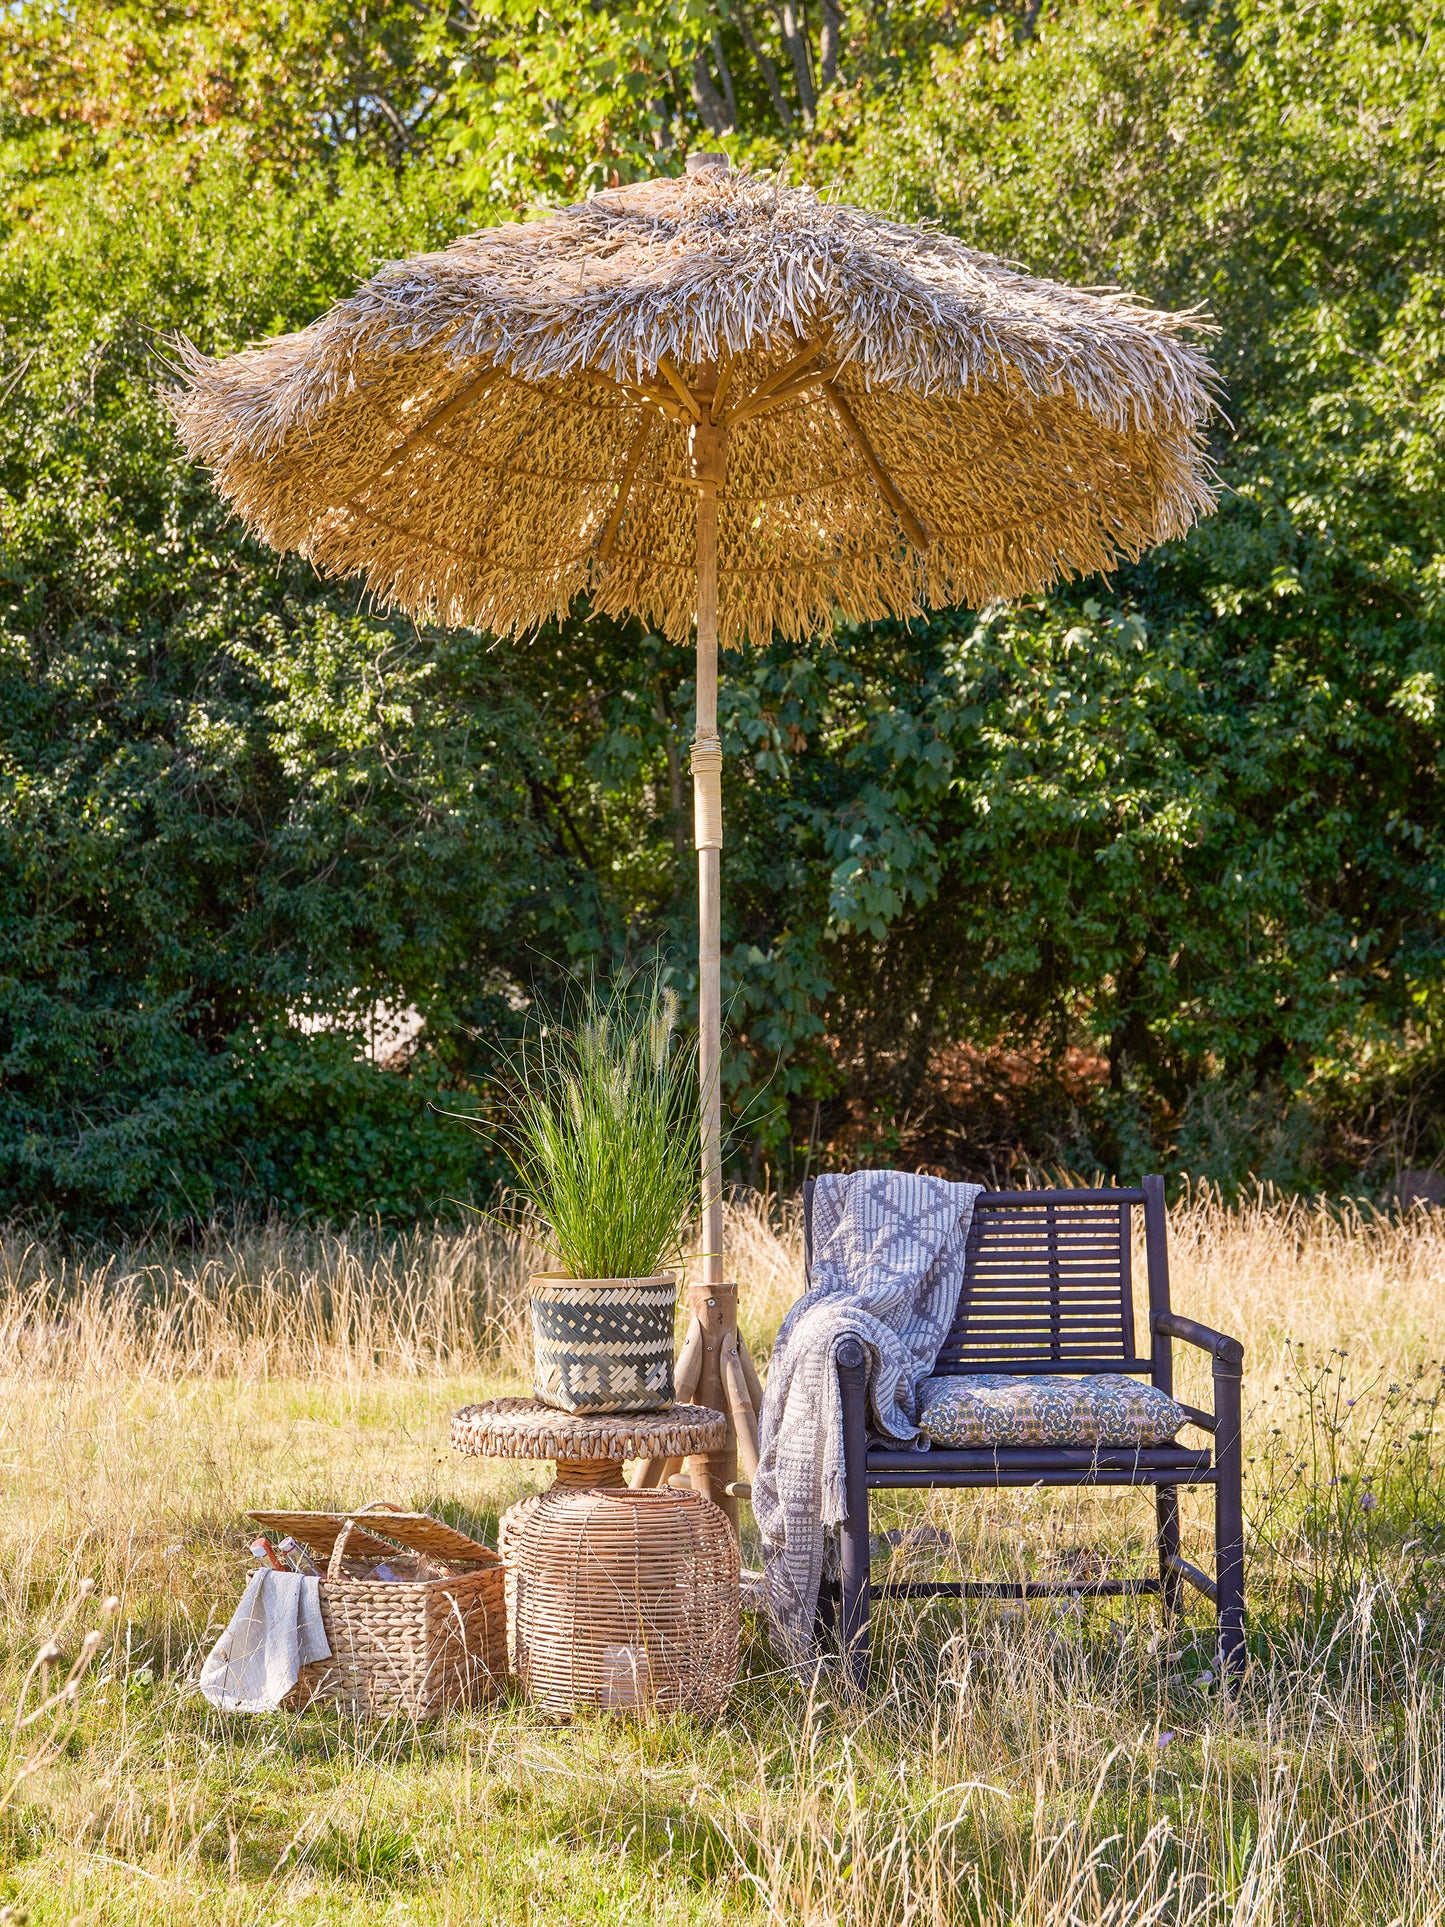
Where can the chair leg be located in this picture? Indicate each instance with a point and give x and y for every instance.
(1171, 1582)
(1229, 1519)
(825, 1620)
(857, 1576)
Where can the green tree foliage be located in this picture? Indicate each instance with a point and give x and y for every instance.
(1147, 868)
(1282, 167)
(290, 85)
(232, 806)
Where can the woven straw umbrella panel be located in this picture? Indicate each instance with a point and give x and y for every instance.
(718, 400)
(502, 512)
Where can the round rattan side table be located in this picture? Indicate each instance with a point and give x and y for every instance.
(617, 1599)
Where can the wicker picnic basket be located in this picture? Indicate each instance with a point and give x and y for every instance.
(433, 1636)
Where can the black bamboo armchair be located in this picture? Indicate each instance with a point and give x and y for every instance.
(1048, 1289)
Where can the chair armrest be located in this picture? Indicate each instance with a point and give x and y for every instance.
(1225, 1351)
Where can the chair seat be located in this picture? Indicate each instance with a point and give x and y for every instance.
(891, 1468)
(971, 1412)
(890, 1464)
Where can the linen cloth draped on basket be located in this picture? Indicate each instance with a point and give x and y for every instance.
(274, 1632)
(888, 1254)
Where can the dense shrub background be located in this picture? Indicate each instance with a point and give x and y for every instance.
(1150, 869)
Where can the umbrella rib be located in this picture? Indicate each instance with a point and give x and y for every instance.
(756, 405)
(724, 381)
(353, 506)
(624, 488)
(394, 528)
(679, 387)
(425, 430)
(633, 391)
(809, 352)
(853, 429)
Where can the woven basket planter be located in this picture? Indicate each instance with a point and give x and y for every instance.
(603, 1344)
(622, 1601)
(434, 1637)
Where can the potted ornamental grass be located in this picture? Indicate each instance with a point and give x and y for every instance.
(598, 1114)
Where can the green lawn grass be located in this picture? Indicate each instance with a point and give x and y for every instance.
(1043, 1764)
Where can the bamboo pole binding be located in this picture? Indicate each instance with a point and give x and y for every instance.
(707, 794)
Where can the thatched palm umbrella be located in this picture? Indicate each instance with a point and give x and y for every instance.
(714, 400)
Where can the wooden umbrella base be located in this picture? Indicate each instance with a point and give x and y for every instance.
(714, 1367)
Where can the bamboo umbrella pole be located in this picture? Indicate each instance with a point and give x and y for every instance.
(707, 834)
(714, 1302)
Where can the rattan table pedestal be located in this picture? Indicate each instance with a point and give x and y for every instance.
(617, 1598)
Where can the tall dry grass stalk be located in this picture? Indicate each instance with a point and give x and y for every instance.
(282, 1302)
(1276, 1269)
(263, 1302)
(1051, 1765)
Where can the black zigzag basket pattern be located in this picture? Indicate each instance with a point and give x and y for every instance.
(603, 1345)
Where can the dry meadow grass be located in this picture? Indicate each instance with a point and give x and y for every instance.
(1042, 1764)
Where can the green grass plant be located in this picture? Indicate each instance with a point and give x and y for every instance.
(598, 1113)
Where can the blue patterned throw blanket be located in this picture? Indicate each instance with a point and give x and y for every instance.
(888, 1251)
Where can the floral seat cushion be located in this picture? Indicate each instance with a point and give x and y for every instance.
(995, 1408)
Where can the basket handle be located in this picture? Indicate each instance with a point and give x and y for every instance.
(333, 1564)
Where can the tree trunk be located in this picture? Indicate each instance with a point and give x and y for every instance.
(711, 107)
(763, 63)
(725, 75)
(795, 39)
(829, 43)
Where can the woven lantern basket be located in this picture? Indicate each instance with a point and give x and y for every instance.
(433, 1637)
(603, 1344)
(622, 1600)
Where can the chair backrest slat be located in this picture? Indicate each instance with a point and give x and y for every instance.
(1123, 1233)
(1048, 1284)
(1046, 1279)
